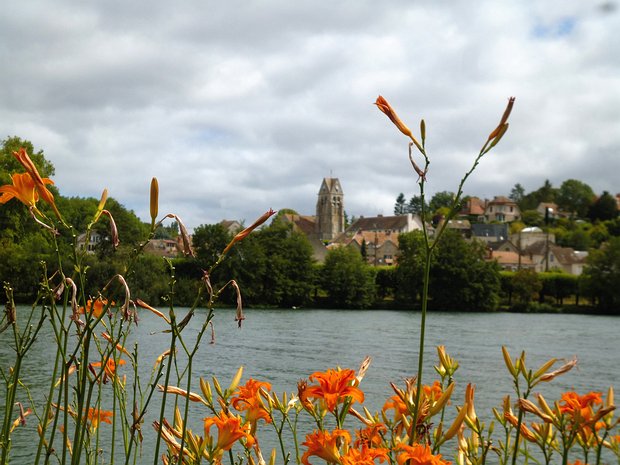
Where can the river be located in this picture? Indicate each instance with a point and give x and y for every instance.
(283, 346)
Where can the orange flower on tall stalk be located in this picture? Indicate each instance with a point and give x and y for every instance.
(334, 387)
(22, 156)
(418, 454)
(371, 436)
(96, 416)
(23, 189)
(96, 306)
(110, 368)
(432, 393)
(364, 456)
(325, 445)
(580, 406)
(385, 107)
(247, 399)
(229, 431)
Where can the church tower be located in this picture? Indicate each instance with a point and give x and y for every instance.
(329, 210)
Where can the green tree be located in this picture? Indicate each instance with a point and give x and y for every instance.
(546, 193)
(348, 281)
(575, 197)
(209, 240)
(613, 226)
(578, 237)
(526, 284)
(364, 251)
(604, 208)
(169, 231)
(532, 218)
(461, 279)
(410, 267)
(602, 274)
(517, 193)
(400, 207)
(440, 200)
(289, 273)
(415, 205)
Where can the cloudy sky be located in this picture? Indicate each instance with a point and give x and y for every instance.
(238, 106)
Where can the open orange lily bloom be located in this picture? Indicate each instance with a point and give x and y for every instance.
(324, 445)
(96, 416)
(418, 455)
(229, 431)
(334, 387)
(23, 189)
(574, 404)
(247, 399)
(110, 368)
(97, 306)
(39, 183)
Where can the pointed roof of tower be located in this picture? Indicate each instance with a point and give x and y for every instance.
(332, 184)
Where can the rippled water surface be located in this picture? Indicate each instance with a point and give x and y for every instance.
(283, 346)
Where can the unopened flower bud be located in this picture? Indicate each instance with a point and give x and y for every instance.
(154, 203)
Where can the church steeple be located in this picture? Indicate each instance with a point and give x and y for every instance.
(330, 210)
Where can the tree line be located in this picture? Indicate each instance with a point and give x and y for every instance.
(274, 265)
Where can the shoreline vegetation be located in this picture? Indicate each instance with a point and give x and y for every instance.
(97, 379)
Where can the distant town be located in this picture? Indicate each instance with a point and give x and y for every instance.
(514, 240)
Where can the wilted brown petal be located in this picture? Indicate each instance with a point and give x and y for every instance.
(563, 369)
(113, 229)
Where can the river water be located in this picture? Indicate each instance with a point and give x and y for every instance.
(283, 346)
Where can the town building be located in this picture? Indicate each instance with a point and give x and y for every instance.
(502, 210)
(548, 256)
(329, 220)
(90, 243)
(378, 235)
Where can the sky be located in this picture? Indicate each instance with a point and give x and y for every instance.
(239, 106)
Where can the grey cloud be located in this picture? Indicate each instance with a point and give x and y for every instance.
(237, 107)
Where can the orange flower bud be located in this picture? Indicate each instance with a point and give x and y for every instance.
(501, 128)
(243, 234)
(386, 108)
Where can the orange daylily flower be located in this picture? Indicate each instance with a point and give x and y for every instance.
(573, 402)
(97, 306)
(365, 456)
(324, 445)
(334, 386)
(432, 393)
(580, 408)
(23, 189)
(370, 436)
(418, 454)
(110, 368)
(96, 416)
(247, 399)
(229, 431)
(302, 394)
(22, 156)
(429, 398)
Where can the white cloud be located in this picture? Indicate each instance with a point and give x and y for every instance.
(239, 107)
